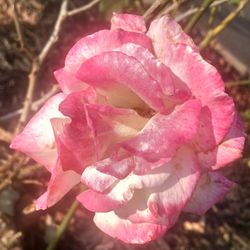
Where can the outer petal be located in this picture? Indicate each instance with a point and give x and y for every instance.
(67, 81)
(104, 40)
(211, 188)
(162, 187)
(228, 151)
(127, 231)
(164, 191)
(128, 22)
(97, 180)
(116, 70)
(60, 183)
(37, 139)
(177, 51)
(215, 122)
(164, 134)
(163, 32)
(119, 194)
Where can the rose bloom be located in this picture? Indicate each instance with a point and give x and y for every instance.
(143, 122)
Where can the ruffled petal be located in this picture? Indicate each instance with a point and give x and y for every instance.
(75, 140)
(218, 108)
(61, 182)
(101, 41)
(96, 180)
(164, 191)
(93, 131)
(228, 151)
(165, 31)
(118, 195)
(97, 202)
(175, 91)
(128, 22)
(215, 122)
(164, 134)
(68, 82)
(211, 188)
(177, 51)
(37, 139)
(115, 70)
(125, 230)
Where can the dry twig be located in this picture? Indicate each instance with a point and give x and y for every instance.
(17, 24)
(34, 106)
(83, 8)
(156, 4)
(204, 6)
(38, 61)
(218, 29)
(5, 135)
(192, 11)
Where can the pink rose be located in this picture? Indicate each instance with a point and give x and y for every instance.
(142, 121)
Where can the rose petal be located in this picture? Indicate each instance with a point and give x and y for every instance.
(164, 134)
(37, 139)
(93, 131)
(165, 31)
(211, 188)
(60, 183)
(127, 231)
(75, 140)
(97, 202)
(97, 180)
(163, 191)
(173, 88)
(215, 121)
(116, 70)
(228, 151)
(67, 81)
(104, 40)
(176, 50)
(117, 195)
(128, 22)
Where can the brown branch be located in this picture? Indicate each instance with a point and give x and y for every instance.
(218, 29)
(172, 8)
(196, 17)
(192, 11)
(17, 24)
(34, 106)
(5, 135)
(155, 5)
(83, 8)
(54, 36)
(29, 95)
(37, 63)
(238, 83)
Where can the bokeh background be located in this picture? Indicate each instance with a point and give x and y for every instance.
(34, 42)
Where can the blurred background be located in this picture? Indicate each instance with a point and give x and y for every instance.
(35, 36)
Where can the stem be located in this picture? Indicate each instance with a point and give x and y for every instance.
(193, 10)
(83, 8)
(211, 18)
(156, 5)
(17, 24)
(239, 83)
(205, 5)
(218, 29)
(63, 226)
